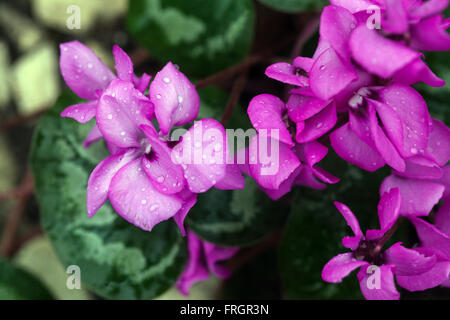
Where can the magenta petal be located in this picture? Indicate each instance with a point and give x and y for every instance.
(143, 83)
(175, 98)
(93, 136)
(214, 254)
(349, 218)
(311, 152)
(166, 176)
(431, 236)
(303, 63)
(413, 112)
(384, 146)
(377, 54)
(270, 169)
(422, 168)
(428, 8)
(266, 112)
(286, 186)
(408, 262)
(318, 125)
(82, 112)
(307, 177)
(232, 180)
(336, 24)
(286, 73)
(303, 106)
(392, 123)
(330, 75)
(430, 35)
(415, 72)
(82, 70)
(353, 5)
(100, 179)
(418, 196)
(134, 198)
(189, 200)
(434, 277)
(386, 289)
(389, 208)
(340, 266)
(350, 148)
(203, 153)
(439, 142)
(120, 112)
(124, 66)
(196, 270)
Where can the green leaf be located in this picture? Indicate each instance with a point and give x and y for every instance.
(236, 217)
(117, 260)
(201, 36)
(292, 6)
(315, 229)
(18, 284)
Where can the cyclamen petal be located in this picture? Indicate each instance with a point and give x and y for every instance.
(434, 277)
(418, 196)
(203, 153)
(350, 148)
(340, 266)
(94, 135)
(175, 98)
(386, 290)
(134, 198)
(439, 143)
(189, 200)
(124, 66)
(349, 218)
(428, 8)
(396, 17)
(100, 179)
(166, 176)
(435, 26)
(214, 254)
(270, 169)
(233, 179)
(353, 5)
(408, 262)
(431, 236)
(336, 25)
(82, 70)
(413, 112)
(389, 208)
(195, 270)
(379, 55)
(266, 112)
(286, 73)
(304, 106)
(83, 112)
(318, 125)
(330, 75)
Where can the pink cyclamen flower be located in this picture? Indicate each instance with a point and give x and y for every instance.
(273, 159)
(87, 76)
(368, 256)
(203, 259)
(142, 180)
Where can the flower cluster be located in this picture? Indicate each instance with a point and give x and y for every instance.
(148, 178)
(355, 94)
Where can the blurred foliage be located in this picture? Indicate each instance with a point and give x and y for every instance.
(202, 36)
(205, 290)
(39, 258)
(292, 6)
(18, 284)
(117, 260)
